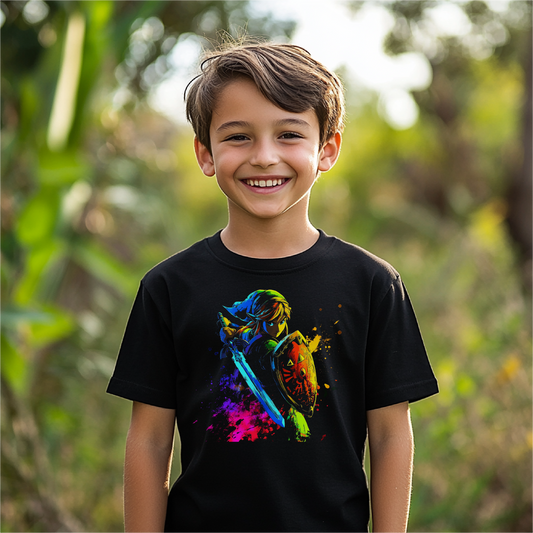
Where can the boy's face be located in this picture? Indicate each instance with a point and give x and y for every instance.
(265, 159)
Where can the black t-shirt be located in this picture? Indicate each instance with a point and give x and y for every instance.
(271, 365)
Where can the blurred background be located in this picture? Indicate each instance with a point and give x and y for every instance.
(99, 183)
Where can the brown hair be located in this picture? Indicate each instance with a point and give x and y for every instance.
(285, 74)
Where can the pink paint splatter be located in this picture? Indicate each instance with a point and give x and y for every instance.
(240, 417)
(247, 420)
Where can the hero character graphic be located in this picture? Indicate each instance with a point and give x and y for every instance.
(273, 371)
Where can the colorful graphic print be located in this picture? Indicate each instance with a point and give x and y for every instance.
(295, 372)
(239, 416)
(272, 385)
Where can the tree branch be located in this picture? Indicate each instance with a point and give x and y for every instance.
(520, 196)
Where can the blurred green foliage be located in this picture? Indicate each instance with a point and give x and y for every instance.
(93, 200)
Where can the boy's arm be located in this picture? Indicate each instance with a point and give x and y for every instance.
(147, 467)
(391, 444)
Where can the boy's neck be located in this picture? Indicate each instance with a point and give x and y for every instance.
(268, 239)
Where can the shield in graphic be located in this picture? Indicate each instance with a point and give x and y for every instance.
(295, 374)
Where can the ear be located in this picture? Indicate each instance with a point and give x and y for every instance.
(204, 158)
(329, 153)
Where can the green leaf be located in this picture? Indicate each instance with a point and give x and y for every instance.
(13, 365)
(102, 265)
(42, 325)
(12, 317)
(62, 168)
(29, 107)
(99, 13)
(38, 218)
(59, 325)
(38, 260)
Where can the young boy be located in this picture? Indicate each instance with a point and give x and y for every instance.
(274, 346)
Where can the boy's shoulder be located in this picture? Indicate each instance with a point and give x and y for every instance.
(186, 260)
(351, 256)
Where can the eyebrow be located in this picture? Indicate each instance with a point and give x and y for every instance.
(293, 122)
(282, 122)
(233, 124)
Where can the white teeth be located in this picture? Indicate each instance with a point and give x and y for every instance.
(263, 183)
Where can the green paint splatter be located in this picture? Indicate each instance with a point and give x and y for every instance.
(300, 424)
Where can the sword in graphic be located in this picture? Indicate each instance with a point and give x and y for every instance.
(255, 385)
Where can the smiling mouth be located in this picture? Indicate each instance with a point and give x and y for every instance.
(265, 183)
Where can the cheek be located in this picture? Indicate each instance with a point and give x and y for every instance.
(228, 163)
(308, 161)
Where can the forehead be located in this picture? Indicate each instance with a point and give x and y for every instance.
(240, 101)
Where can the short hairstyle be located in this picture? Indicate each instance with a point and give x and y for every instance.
(285, 74)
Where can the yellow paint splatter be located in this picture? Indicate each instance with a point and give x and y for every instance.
(313, 345)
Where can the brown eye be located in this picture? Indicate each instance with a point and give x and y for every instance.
(237, 137)
(291, 135)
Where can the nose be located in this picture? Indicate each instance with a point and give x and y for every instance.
(264, 154)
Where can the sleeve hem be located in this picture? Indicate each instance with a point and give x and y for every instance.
(139, 393)
(412, 393)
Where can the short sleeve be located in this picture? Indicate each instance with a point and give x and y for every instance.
(397, 367)
(146, 367)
